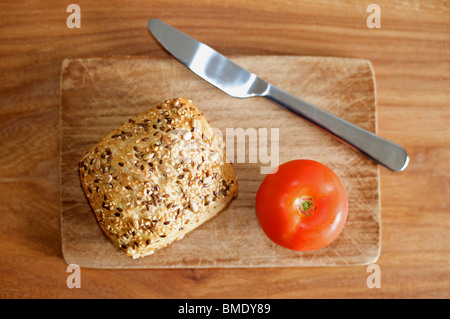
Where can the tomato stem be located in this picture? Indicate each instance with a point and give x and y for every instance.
(306, 205)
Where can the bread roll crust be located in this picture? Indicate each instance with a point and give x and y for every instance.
(157, 177)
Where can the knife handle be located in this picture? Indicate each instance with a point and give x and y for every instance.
(384, 152)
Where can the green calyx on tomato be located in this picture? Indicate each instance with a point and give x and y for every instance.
(302, 206)
(306, 205)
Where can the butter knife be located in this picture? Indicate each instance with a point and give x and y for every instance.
(238, 82)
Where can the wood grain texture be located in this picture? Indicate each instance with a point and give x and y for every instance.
(99, 94)
(411, 62)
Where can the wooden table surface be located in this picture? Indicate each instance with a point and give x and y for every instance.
(410, 55)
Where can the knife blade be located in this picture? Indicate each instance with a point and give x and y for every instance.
(234, 80)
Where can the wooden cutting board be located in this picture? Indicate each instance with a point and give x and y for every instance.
(99, 94)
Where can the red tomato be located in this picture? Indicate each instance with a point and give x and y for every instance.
(302, 206)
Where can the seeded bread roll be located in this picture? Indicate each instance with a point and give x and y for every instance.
(157, 177)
